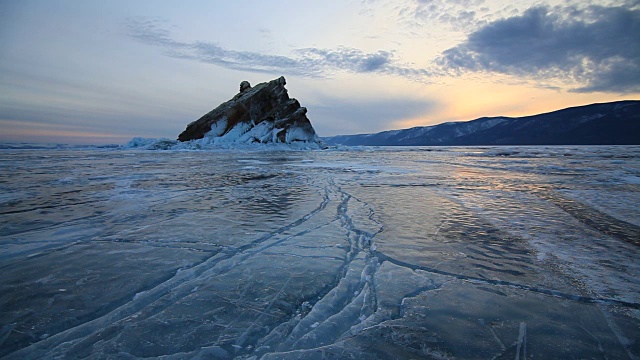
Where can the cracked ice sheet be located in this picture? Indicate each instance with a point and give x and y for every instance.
(452, 318)
(423, 228)
(619, 204)
(470, 321)
(552, 232)
(59, 290)
(142, 215)
(385, 253)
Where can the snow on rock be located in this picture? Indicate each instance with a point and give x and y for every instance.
(260, 114)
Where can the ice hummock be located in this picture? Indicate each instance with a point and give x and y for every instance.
(259, 137)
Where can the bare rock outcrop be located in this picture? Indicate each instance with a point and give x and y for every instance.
(263, 113)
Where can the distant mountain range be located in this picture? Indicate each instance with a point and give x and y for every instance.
(614, 123)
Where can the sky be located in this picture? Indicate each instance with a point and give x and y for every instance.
(103, 72)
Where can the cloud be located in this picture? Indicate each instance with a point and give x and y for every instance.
(352, 60)
(591, 49)
(455, 14)
(307, 62)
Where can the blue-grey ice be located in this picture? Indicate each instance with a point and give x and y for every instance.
(346, 253)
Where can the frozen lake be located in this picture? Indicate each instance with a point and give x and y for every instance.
(369, 253)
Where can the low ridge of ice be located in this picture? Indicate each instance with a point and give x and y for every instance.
(214, 144)
(241, 136)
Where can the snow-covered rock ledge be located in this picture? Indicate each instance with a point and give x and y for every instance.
(257, 118)
(260, 114)
(208, 143)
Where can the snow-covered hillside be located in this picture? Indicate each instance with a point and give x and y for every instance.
(616, 123)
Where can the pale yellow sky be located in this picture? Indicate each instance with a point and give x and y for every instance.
(468, 99)
(109, 71)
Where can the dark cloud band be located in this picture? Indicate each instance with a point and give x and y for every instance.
(593, 49)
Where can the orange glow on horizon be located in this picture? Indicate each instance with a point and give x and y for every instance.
(465, 100)
(15, 131)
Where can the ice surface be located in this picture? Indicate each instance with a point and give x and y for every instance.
(350, 253)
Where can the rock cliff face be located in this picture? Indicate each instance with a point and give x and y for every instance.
(263, 113)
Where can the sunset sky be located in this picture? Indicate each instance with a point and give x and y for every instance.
(96, 72)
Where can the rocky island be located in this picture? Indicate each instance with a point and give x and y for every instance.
(260, 114)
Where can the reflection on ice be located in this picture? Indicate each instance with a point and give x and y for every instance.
(363, 253)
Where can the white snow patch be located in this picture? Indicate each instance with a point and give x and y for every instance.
(241, 136)
(218, 128)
